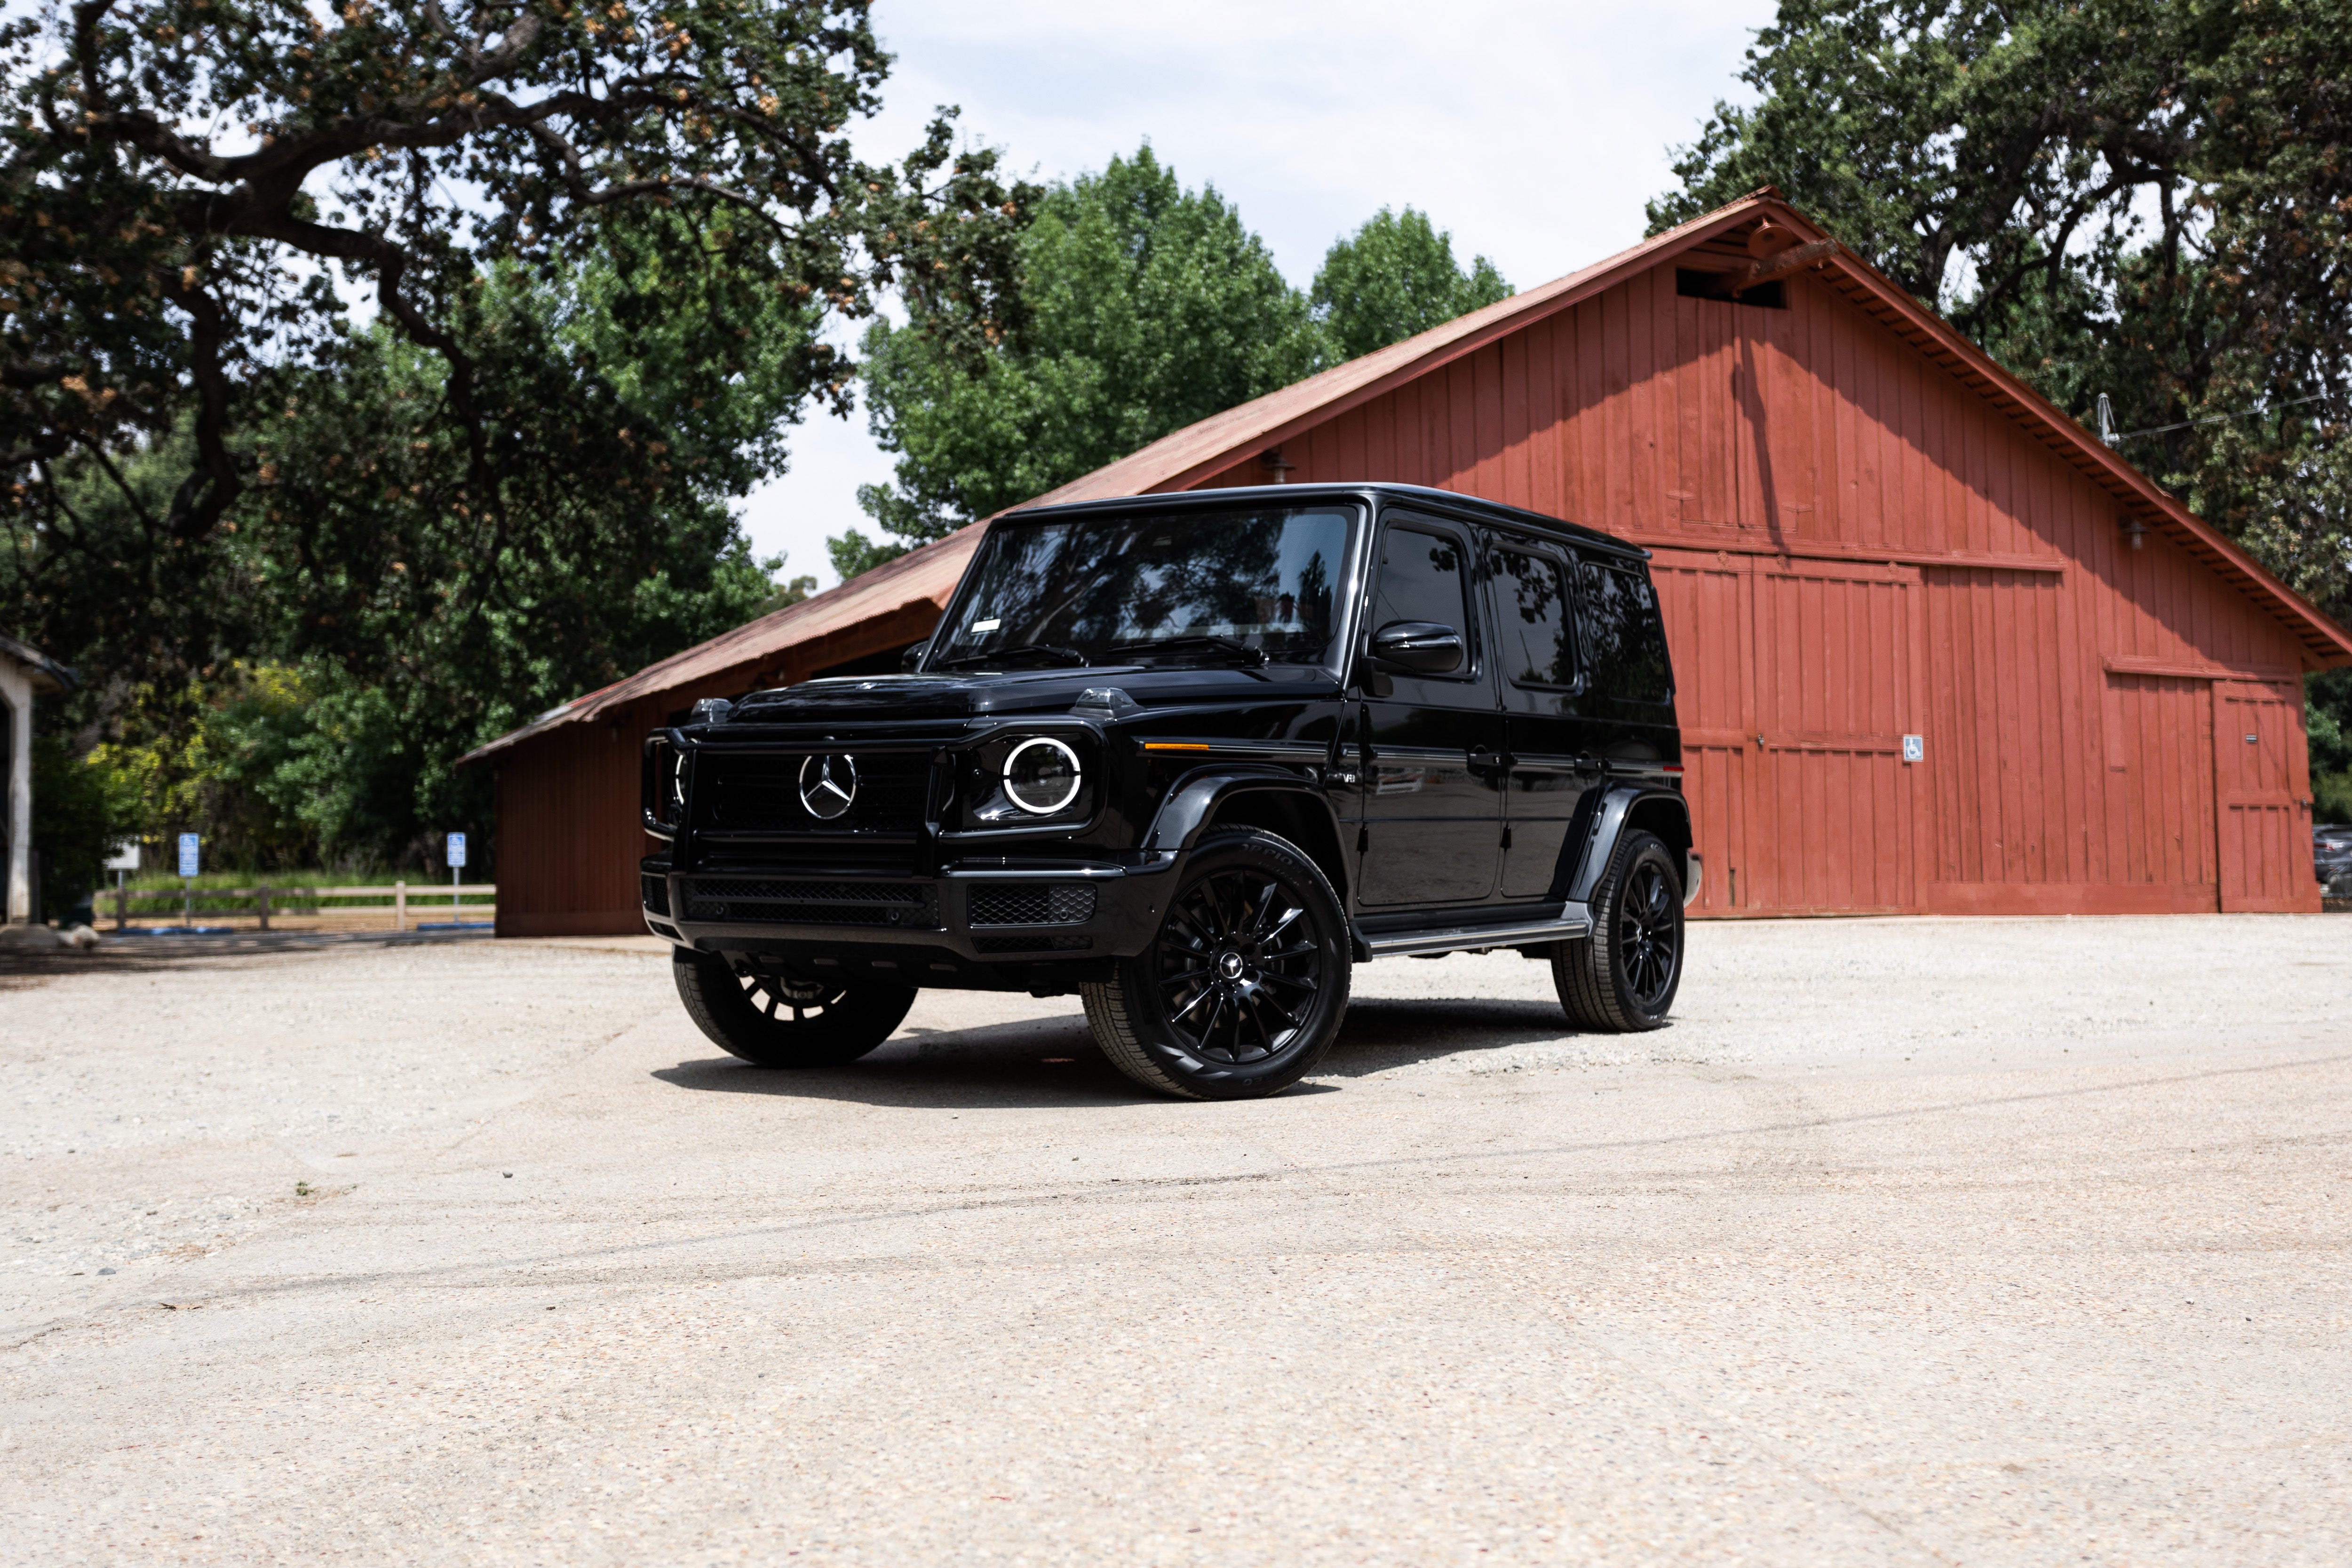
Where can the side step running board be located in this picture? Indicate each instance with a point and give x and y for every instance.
(1453, 939)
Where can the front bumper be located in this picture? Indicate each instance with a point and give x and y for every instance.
(972, 924)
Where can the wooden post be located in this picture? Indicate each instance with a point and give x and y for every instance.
(262, 894)
(399, 906)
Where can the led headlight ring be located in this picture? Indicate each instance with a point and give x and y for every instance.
(1033, 778)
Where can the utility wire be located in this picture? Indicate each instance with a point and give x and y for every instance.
(2111, 436)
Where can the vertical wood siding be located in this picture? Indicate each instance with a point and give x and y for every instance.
(1770, 456)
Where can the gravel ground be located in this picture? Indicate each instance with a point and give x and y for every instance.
(1911, 1241)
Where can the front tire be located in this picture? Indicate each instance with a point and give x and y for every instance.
(1243, 989)
(1622, 978)
(780, 1021)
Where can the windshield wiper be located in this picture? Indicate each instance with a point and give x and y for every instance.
(1052, 653)
(1253, 656)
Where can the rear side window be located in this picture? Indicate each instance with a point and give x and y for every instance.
(1538, 639)
(1422, 579)
(1623, 644)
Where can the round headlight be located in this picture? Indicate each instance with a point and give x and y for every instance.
(1042, 776)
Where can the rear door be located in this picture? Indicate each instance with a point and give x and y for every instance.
(1547, 735)
(1433, 774)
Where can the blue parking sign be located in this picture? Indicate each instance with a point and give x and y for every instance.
(188, 854)
(456, 850)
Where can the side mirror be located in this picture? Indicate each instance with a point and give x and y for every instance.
(914, 656)
(1418, 648)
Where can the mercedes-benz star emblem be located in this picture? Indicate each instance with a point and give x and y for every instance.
(828, 784)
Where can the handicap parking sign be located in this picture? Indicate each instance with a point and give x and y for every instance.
(456, 850)
(188, 854)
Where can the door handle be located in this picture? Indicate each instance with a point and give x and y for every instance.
(1486, 760)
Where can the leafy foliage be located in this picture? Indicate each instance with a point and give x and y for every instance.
(1394, 278)
(2327, 707)
(75, 824)
(1136, 308)
(600, 244)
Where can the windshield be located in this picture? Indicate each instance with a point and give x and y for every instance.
(1111, 589)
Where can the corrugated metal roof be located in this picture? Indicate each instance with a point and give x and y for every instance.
(1200, 450)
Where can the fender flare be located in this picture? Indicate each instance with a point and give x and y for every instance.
(1177, 825)
(1618, 806)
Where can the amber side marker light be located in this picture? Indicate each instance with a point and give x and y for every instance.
(1174, 746)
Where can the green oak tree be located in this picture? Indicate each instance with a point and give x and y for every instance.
(419, 347)
(1134, 308)
(1394, 278)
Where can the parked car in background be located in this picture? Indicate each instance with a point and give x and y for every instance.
(1192, 757)
(2331, 856)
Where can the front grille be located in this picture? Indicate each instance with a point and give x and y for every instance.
(1032, 943)
(656, 893)
(809, 903)
(1043, 904)
(761, 793)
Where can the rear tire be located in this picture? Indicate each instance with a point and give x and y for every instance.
(1623, 978)
(1243, 989)
(780, 1021)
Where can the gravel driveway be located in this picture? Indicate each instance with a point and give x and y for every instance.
(1911, 1241)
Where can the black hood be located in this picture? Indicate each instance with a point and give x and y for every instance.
(948, 696)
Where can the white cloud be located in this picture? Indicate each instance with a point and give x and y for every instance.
(1535, 134)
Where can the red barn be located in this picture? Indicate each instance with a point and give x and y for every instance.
(1937, 648)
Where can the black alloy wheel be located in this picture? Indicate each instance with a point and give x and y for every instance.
(1649, 936)
(1243, 986)
(1624, 976)
(1235, 967)
(772, 1019)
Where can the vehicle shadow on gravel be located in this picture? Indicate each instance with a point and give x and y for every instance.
(1054, 1061)
(1383, 1032)
(1032, 1062)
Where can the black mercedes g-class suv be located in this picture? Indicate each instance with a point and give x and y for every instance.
(1192, 756)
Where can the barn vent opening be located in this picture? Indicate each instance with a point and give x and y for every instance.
(1693, 284)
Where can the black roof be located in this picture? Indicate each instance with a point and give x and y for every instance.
(1443, 502)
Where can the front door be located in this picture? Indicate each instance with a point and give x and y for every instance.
(2260, 784)
(1432, 743)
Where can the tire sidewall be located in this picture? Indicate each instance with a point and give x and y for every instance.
(1255, 849)
(860, 1019)
(1640, 847)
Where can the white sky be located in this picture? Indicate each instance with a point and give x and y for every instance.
(1534, 132)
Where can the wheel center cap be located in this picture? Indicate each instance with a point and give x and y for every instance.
(1229, 964)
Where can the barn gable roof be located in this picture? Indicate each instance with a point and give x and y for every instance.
(1200, 450)
(924, 576)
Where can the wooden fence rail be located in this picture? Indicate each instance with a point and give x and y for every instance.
(264, 897)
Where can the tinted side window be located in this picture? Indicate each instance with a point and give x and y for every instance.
(1422, 579)
(1623, 640)
(1531, 607)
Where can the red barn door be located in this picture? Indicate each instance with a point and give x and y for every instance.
(1795, 682)
(1835, 685)
(2265, 831)
(1704, 603)
(2160, 764)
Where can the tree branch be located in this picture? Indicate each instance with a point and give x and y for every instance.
(209, 489)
